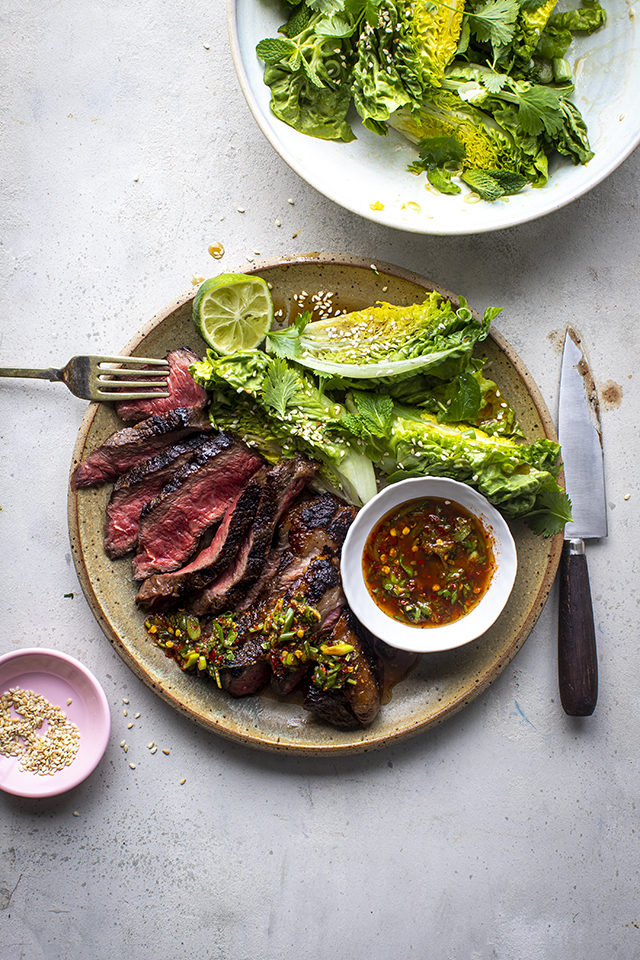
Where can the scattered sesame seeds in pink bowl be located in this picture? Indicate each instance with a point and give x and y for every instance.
(77, 705)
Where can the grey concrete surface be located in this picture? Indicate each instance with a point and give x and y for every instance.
(508, 833)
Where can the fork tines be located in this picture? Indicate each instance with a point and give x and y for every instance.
(112, 380)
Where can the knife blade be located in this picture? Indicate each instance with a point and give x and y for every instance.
(580, 436)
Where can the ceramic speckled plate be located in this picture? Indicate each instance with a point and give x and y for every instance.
(440, 684)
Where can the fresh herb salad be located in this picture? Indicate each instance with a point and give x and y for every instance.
(482, 87)
(382, 394)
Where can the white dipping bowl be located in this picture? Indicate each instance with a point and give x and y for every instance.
(428, 639)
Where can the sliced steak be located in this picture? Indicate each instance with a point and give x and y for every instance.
(312, 581)
(137, 487)
(284, 483)
(354, 704)
(308, 528)
(197, 497)
(163, 590)
(127, 447)
(183, 390)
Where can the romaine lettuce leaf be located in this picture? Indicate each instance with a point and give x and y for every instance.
(386, 341)
(519, 479)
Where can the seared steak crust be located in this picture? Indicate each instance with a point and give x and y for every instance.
(126, 448)
(354, 705)
(183, 390)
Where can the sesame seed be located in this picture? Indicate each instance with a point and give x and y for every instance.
(183, 781)
(125, 713)
(151, 745)
(240, 209)
(124, 700)
(291, 201)
(75, 813)
(132, 765)
(136, 716)
(18, 738)
(166, 752)
(129, 725)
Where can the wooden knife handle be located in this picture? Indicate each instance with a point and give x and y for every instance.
(577, 654)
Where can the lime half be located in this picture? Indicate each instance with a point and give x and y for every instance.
(233, 312)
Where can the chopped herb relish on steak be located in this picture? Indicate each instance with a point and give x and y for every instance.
(183, 390)
(297, 632)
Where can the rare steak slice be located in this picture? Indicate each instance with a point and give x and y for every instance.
(197, 497)
(137, 487)
(163, 590)
(127, 447)
(283, 485)
(356, 702)
(183, 390)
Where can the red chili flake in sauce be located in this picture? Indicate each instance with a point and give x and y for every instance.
(428, 562)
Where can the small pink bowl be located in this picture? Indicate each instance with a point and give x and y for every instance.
(57, 677)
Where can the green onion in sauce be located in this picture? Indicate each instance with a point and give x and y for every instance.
(428, 562)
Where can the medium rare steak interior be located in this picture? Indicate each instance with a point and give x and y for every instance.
(198, 495)
(128, 447)
(182, 388)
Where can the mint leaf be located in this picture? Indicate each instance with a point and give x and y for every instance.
(486, 186)
(275, 50)
(376, 412)
(509, 181)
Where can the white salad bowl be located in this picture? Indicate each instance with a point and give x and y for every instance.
(369, 176)
(429, 639)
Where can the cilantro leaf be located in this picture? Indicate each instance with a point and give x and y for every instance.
(286, 343)
(280, 386)
(495, 22)
(538, 109)
(552, 510)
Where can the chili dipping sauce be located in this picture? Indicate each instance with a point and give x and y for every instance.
(428, 562)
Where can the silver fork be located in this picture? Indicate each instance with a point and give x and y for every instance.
(92, 379)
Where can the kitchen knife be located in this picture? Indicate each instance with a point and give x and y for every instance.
(580, 437)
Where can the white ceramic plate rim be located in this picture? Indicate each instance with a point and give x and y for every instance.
(608, 69)
(95, 725)
(428, 639)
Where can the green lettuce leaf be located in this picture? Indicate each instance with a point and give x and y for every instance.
(386, 341)
(511, 475)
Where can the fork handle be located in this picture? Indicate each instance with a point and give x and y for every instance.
(50, 374)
